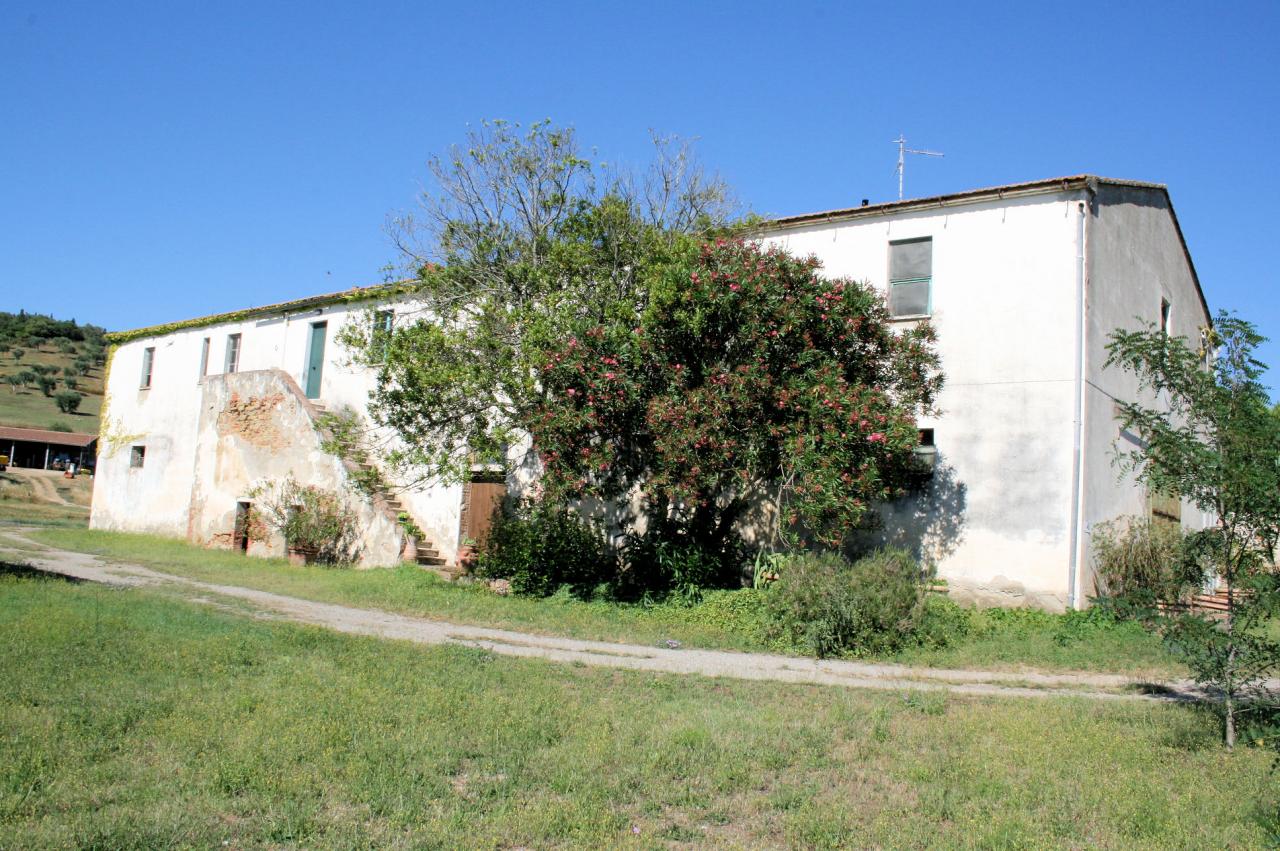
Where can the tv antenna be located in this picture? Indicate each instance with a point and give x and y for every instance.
(903, 150)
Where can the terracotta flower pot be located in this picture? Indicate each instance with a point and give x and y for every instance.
(303, 555)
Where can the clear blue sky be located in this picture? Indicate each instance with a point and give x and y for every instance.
(166, 160)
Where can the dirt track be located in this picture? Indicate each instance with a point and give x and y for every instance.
(713, 663)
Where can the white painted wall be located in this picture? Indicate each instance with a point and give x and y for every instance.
(995, 521)
(164, 418)
(1135, 259)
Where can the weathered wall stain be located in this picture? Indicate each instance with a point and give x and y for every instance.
(254, 420)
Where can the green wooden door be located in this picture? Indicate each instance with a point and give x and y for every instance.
(315, 360)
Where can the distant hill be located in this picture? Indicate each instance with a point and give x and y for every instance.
(42, 358)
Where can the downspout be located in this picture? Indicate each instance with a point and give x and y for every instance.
(1077, 423)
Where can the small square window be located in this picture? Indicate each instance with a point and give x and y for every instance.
(148, 361)
(137, 455)
(926, 437)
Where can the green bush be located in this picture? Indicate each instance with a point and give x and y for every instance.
(311, 520)
(830, 606)
(660, 566)
(68, 401)
(944, 623)
(1140, 562)
(539, 549)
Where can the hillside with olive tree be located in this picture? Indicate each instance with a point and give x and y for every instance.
(51, 372)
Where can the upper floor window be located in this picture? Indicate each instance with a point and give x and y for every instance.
(204, 357)
(137, 456)
(1166, 310)
(148, 360)
(233, 353)
(382, 323)
(911, 277)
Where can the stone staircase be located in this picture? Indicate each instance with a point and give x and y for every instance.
(386, 502)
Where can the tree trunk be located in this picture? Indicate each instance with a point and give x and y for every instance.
(1229, 675)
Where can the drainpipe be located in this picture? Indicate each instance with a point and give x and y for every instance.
(1077, 423)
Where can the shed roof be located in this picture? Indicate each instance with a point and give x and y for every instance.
(39, 435)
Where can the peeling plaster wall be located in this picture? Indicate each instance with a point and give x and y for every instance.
(166, 418)
(253, 428)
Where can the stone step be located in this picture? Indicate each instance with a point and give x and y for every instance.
(431, 561)
(448, 574)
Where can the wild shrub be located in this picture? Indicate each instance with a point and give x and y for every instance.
(310, 519)
(1140, 562)
(666, 564)
(540, 548)
(833, 607)
(943, 623)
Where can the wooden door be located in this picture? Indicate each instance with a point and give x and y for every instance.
(483, 499)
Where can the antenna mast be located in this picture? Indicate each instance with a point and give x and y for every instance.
(903, 150)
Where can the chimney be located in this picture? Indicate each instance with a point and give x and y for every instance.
(866, 202)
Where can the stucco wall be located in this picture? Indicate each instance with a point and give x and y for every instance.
(1135, 258)
(254, 429)
(996, 517)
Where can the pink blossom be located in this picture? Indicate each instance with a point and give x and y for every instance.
(876, 437)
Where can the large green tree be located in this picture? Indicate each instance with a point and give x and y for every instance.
(750, 382)
(1208, 436)
(521, 238)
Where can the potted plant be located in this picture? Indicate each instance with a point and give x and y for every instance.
(412, 535)
(315, 523)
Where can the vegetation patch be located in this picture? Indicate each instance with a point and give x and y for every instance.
(133, 721)
(948, 635)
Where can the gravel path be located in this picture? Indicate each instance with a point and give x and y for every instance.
(713, 663)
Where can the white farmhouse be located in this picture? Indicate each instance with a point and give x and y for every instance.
(1023, 282)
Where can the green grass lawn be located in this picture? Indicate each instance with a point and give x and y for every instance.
(1041, 644)
(129, 720)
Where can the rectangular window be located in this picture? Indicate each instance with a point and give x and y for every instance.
(382, 323)
(233, 353)
(148, 360)
(204, 357)
(911, 277)
(1166, 310)
(137, 455)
